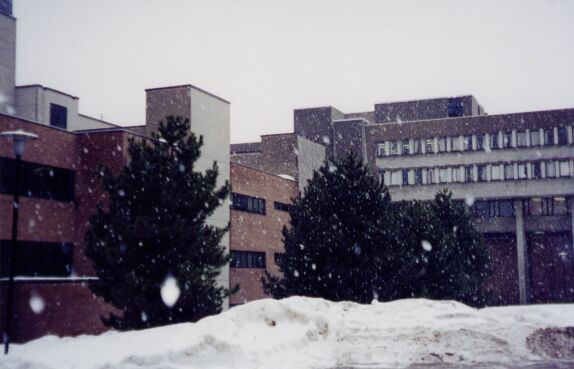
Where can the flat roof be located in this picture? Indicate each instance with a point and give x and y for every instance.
(187, 86)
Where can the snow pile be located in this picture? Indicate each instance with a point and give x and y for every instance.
(311, 333)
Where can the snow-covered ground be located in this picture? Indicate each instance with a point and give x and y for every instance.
(298, 333)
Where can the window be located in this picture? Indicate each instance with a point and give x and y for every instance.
(467, 143)
(247, 203)
(58, 116)
(406, 147)
(468, 177)
(564, 168)
(429, 145)
(522, 171)
(455, 143)
(278, 257)
(39, 181)
(521, 139)
(546, 206)
(418, 176)
(549, 136)
(405, 176)
(535, 138)
(536, 170)
(281, 206)
(493, 208)
(550, 169)
(394, 148)
(455, 107)
(430, 175)
(396, 177)
(457, 174)
(494, 141)
(416, 146)
(247, 259)
(443, 175)
(495, 174)
(562, 136)
(506, 139)
(442, 144)
(480, 142)
(37, 259)
(382, 149)
(481, 173)
(508, 171)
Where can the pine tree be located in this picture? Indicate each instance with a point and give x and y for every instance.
(442, 254)
(337, 229)
(154, 230)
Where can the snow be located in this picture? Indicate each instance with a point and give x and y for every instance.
(287, 176)
(309, 333)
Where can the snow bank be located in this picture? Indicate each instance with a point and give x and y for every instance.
(309, 333)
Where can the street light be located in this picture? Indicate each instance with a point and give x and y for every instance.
(19, 139)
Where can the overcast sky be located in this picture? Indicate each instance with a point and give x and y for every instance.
(270, 57)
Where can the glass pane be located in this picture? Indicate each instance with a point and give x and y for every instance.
(508, 171)
(455, 143)
(564, 169)
(520, 139)
(534, 138)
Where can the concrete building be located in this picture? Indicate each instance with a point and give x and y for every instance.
(515, 171)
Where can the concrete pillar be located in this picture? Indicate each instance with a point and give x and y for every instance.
(521, 254)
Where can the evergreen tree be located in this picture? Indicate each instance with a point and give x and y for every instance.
(441, 253)
(154, 230)
(337, 228)
(347, 241)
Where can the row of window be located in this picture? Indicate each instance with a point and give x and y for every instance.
(535, 206)
(252, 259)
(478, 173)
(37, 259)
(254, 205)
(482, 141)
(36, 180)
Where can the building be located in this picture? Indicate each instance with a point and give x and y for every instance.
(260, 205)
(62, 188)
(515, 171)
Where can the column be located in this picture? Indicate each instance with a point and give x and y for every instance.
(521, 254)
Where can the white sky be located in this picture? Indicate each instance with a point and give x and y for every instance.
(270, 57)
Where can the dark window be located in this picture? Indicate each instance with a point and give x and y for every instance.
(247, 203)
(418, 176)
(546, 206)
(467, 143)
(468, 173)
(405, 176)
(282, 206)
(480, 142)
(36, 180)
(494, 141)
(549, 136)
(58, 116)
(562, 136)
(508, 171)
(406, 147)
(37, 259)
(493, 208)
(382, 149)
(536, 170)
(278, 257)
(455, 107)
(416, 146)
(455, 143)
(429, 145)
(394, 148)
(6, 7)
(247, 259)
(550, 169)
(506, 139)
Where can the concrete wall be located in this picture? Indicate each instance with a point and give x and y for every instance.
(85, 122)
(164, 102)
(7, 63)
(405, 111)
(33, 103)
(210, 117)
(311, 156)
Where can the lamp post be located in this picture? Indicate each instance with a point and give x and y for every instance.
(18, 139)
